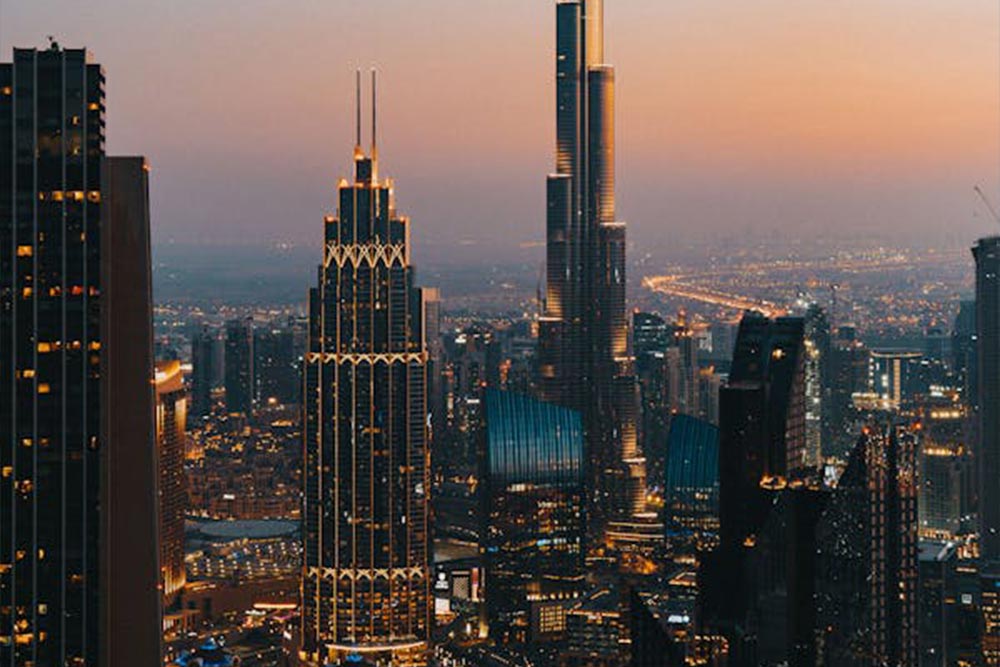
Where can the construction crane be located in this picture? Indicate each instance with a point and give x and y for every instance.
(982, 195)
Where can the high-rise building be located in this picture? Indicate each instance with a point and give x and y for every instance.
(171, 417)
(768, 499)
(78, 554)
(762, 428)
(963, 352)
(275, 377)
(818, 391)
(691, 486)
(583, 356)
(987, 255)
(867, 565)
(204, 345)
(240, 381)
(366, 475)
(533, 533)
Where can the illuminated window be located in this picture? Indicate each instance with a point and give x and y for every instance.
(26, 293)
(7, 90)
(93, 106)
(57, 195)
(44, 347)
(94, 196)
(25, 251)
(44, 388)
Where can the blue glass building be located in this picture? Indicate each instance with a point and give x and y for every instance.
(691, 484)
(533, 490)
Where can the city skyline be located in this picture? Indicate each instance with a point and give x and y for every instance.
(883, 122)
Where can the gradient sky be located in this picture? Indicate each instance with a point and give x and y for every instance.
(773, 117)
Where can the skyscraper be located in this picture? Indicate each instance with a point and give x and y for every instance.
(533, 533)
(239, 367)
(203, 353)
(987, 255)
(76, 372)
(171, 415)
(365, 518)
(274, 367)
(583, 348)
(867, 559)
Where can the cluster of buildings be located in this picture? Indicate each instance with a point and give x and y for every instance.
(604, 489)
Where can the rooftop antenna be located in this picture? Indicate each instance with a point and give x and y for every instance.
(357, 113)
(982, 195)
(374, 128)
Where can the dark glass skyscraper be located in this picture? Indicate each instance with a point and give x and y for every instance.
(203, 361)
(365, 517)
(987, 255)
(76, 376)
(867, 559)
(171, 416)
(533, 532)
(584, 362)
(239, 367)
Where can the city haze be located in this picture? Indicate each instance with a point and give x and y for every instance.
(772, 117)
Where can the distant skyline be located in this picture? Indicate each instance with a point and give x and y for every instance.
(733, 118)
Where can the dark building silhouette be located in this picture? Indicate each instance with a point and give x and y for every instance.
(651, 642)
(849, 360)
(240, 382)
(963, 351)
(366, 568)
(867, 571)
(652, 339)
(761, 422)
(276, 380)
(757, 586)
(987, 255)
(583, 357)
(533, 533)
(171, 416)
(76, 369)
(204, 350)
(819, 388)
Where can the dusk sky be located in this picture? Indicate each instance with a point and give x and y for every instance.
(770, 116)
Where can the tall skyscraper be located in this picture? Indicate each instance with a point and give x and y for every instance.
(78, 554)
(987, 255)
(171, 416)
(239, 367)
(533, 529)
(584, 362)
(203, 353)
(867, 560)
(365, 519)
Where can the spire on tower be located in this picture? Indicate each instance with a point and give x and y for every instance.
(357, 113)
(374, 126)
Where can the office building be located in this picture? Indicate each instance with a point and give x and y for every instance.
(691, 486)
(366, 573)
(583, 357)
(533, 533)
(963, 352)
(895, 376)
(276, 378)
(204, 350)
(171, 417)
(240, 379)
(987, 256)
(78, 554)
(818, 390)
(867, 569)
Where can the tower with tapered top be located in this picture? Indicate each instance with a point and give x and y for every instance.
(584, 360)
(365, 575)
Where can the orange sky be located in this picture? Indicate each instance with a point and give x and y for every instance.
(734, 117)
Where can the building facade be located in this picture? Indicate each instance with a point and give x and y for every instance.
(171, 418)
(204, 345)
(867, 563)
(78, 550)
(533, 533)
(583, 357)
(987, 256)
(366, 474)
(240, 380)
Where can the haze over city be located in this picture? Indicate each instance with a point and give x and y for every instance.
(788, 119)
